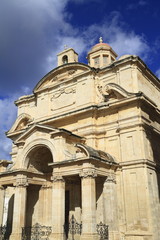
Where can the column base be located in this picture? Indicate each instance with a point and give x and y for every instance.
(15, 236)
(57, 236)
(89, 236)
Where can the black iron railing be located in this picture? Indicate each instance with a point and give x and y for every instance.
(5, 232)
(102, 230)
(73, 228)
(36, 232)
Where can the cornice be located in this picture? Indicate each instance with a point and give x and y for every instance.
(137, 163)
(134, 59)
(104, 106)
(63, 67)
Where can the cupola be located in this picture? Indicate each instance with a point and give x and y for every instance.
(101, 55)
(67, 56)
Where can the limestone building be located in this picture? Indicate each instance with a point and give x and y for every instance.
(86, 153)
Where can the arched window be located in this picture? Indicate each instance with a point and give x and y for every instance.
(65, 59)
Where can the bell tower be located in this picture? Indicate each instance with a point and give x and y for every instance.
(101, 55)
(67, 56)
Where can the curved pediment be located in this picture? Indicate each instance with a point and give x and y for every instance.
(60, 74)
(114, 91)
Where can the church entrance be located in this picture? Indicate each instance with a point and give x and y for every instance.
(73, 210)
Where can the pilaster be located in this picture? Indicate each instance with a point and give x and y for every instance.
(88, 205)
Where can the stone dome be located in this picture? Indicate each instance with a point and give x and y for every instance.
(101, 45)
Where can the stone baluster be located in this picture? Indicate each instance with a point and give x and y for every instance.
(88, 187)
(19, 210)
(58, 208)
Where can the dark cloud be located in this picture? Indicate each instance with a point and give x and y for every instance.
(28, 35)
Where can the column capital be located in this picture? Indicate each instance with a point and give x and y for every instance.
(88, 173)
(110, 179)
(21, 182)
(46, 185)
(57, 177)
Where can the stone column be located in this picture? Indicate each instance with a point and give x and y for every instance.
(58, 208)
(88, 186)
(46, 204)
(19, 210)
(110, 207)
(1, 204)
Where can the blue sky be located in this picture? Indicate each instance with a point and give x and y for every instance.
(32, 32)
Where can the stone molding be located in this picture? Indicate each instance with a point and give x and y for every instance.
(90, 173)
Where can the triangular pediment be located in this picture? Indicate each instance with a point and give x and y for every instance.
(32, 129)
(22, 122)
(46, 129)
(61, 74)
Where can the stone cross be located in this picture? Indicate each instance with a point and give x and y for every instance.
(65, 47)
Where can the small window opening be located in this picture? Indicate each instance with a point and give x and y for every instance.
(105, 59)
(96, 60)
(65, 59)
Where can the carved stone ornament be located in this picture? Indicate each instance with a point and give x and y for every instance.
(90, 173)
(58, 93)
(56, 178)
(21, 182)
(46, 185)
(112, 91)
(70, 72)
(111, 179)
(107, 93)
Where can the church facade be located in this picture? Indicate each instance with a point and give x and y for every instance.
(85, 156)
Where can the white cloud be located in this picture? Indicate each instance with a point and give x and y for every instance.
(158, 73)
(7, 117)
(142, 3)
(120, 38)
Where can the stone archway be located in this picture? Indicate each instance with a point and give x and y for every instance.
(39, 194)
(39, 158)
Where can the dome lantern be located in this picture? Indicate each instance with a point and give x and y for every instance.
(101, 55)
